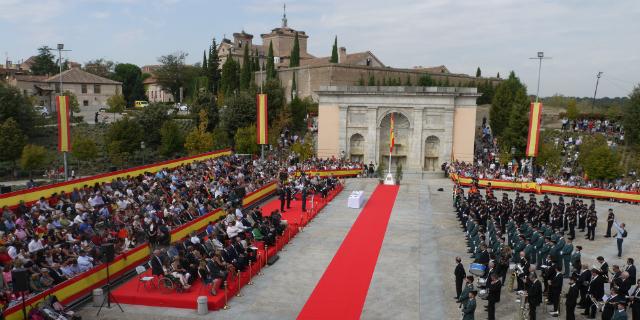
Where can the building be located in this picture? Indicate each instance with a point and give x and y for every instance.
(92, 91)
(154, 91)
(432, 124)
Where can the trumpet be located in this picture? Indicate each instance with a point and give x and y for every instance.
(599, 304)
(524, 306)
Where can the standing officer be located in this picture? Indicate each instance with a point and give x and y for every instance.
(494, 295)
(460, 275)
(610, 219)
(281, 196)
(571, 298)
(534, 295)
(469, 309)
(303, 197)
(289, 192)
(565, 254)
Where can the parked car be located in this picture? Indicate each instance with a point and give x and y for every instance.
(141, 104)
(42, 110)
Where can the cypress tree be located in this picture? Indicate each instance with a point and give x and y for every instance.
(408, 82)
(213, 68)
(478, 73)
(294, 61)
(294, 87)
(498, 75)
(245, 75)
(372, 80)
(334, 51)
(271, 68)
(361, 80)
(384, 81)
(230, 78)
(204, 60)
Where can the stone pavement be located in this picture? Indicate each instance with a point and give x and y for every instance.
(413, 278)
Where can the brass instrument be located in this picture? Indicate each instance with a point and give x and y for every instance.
(599, 304)
(524, 306)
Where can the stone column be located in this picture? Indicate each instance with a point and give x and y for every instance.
(343, 143)
(371, 140)
(414, 161)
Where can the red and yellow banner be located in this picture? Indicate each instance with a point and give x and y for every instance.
(391, 135)
(64, 134)
(533, 138)
(261, 115)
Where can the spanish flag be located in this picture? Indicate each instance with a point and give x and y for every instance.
(64, 133)
(535, 115)
(261, 123)
(391, 135)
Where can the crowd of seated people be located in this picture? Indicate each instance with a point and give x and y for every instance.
(322, 164)
(534, 241)
(59, 237)
(608, 127)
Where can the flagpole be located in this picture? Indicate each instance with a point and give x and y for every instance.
(540, 56)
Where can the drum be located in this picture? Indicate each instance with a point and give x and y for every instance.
(512, 266)
(482, 282)
(477, 269)
(483, 294)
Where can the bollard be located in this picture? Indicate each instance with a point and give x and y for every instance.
(260, 264)
(226, 299)
(203, 306)
(266, 254)
(239, 286)
(98, 297)
(250, 274)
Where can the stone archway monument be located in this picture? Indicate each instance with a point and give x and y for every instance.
(432, 124)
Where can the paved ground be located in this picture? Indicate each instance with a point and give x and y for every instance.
(413, 278)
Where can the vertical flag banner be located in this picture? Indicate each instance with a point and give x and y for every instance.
(533, 138)
(64, 134)
(261, 123)
(391, 135)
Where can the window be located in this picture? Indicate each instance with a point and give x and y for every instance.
(84, 88)
(85, 103)
(57, 87)
(96, 88)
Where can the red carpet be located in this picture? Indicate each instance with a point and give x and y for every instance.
(130, 293)
(342, 290)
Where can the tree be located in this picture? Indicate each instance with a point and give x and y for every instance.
(204, 60)
(550, 157)
(602, 164)
(230, 78)
(240, 111)
(275, 98)
(425, 80)
(17, 107)
(408, 82)
(508, 94)
(116, 103)
(100, 67)
(572, 109)
(84, 148)
(124, 137)
(220, 138)
(172, 138)
(73, 101)
(151, 120)
(304, 150)
(44, 62)
(132, 87)
(213, 64)
(245, 140)
(271, 68)
(199, 140)
(372, 81)
(487, 91)
(478, 73)
(631, 120)
(12, 140)
(294, 60)
(498, 75)
(174, 74)
(298, 108)
(515, 133)
(206, 101)
(33, 157)
(247, 70)
(334, 51)
(294, 87)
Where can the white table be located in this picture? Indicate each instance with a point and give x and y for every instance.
(356, 199)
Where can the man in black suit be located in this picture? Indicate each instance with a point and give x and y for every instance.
(583, 286)
(289, 192)
(460, 275)
(483, 255)
(631, 269)
(571, 298)
(596, 290)
(156, 263)
(282, 196)
(634, 300)
(494, 287)
(303, 197)
(534, 294)
(555, 289)
(612, 304)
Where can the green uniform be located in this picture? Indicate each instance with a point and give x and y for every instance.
(565, 253)
(469, 310)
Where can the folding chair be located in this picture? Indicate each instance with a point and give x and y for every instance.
(140, 270)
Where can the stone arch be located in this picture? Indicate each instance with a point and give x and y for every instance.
(383, 118)
(402, 136)
(431, 153)
(356, 147)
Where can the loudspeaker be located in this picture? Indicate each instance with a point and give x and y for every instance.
(108, 252)
(273, 259)
(20, 278)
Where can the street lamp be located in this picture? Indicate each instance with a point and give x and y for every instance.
(142, 146)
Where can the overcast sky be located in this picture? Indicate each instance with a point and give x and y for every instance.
(581, 36)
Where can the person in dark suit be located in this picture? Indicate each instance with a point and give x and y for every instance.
(303, 197)
(596, 290)
(534, 294)
(282, 196)
(583, 286)
(494, 287)
(483, 255)
(634, 301)
(460, 275)
(289, 192)
(612, 304)
(620, 313)
(571, 299)
(156, 263)
(631, 269)
(555, 289)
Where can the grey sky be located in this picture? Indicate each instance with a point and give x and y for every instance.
(582, 37)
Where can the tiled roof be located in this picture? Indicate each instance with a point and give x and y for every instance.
(79, 76)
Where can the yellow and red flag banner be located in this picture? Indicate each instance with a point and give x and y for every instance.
(391, 135)
(533, 138)
(261, 115)
(64, 133)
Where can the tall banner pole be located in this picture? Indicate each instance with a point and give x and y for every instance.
(64, 139)
(262, 122)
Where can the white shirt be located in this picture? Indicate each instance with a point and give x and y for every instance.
(85, 263)
(35, 245)
(618, 229)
